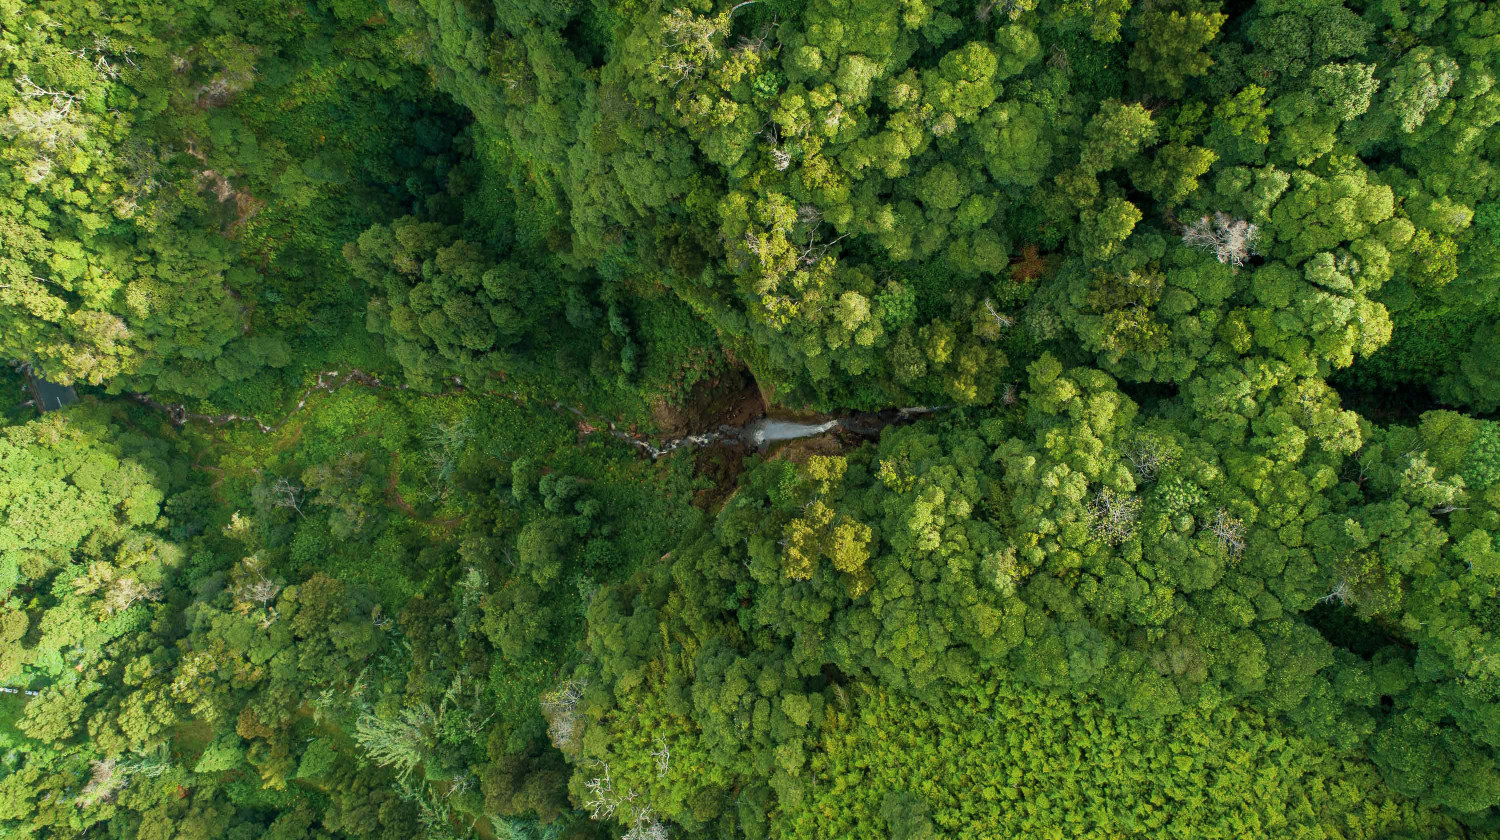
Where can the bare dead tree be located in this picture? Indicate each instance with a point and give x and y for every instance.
(262, 590)
(816, 249)
(1230, 240)
(1339, 594)
(663, 756)
(689, 44)
(104, 56)
(780, 158)
(44, 129)
(835, 116)
(1229, 531)
(128, 590)
(753, 244)
(285, 494)
(253, 588)
(38, 170)
(645, 826)
(1004, 321)
(1149, 456)
(1357, 472)
(602, 801)
(1112, 516)
(62, 100)
(560, 707)
(676, 68)
(757, 43)
(106, 778)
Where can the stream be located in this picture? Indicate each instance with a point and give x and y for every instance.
(762, 433)
(759, 434)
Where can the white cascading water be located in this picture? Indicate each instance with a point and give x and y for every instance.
(768, 430)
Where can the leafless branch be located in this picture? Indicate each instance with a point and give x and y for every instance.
(1149, 456)
(1231, 240)
(1229, 531)
(1339, 594)
(1004, 321)
(1112, 516)
(663, 756)
(560, 707)
(285, 494)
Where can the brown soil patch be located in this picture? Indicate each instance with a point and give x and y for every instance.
(798, 451)
(731, 399)
(722, 464)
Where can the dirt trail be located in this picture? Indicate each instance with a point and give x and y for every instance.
(393, 492)
(393, 488)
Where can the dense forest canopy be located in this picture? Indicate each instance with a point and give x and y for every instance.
(1146, 353)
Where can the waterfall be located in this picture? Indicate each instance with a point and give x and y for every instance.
(768, 430)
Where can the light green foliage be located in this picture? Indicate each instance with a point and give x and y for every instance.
(65, 484)
(1101, 18)
(226, 754)
(1417, 86)
(1114, 135)
(402, 743)
(70, 301)
(1344, 90)
(1019, 751)
(1173, 175)
(1481, 463)
(1014, 138)
(81, 504)
(1017, 47)
(1103, 231)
